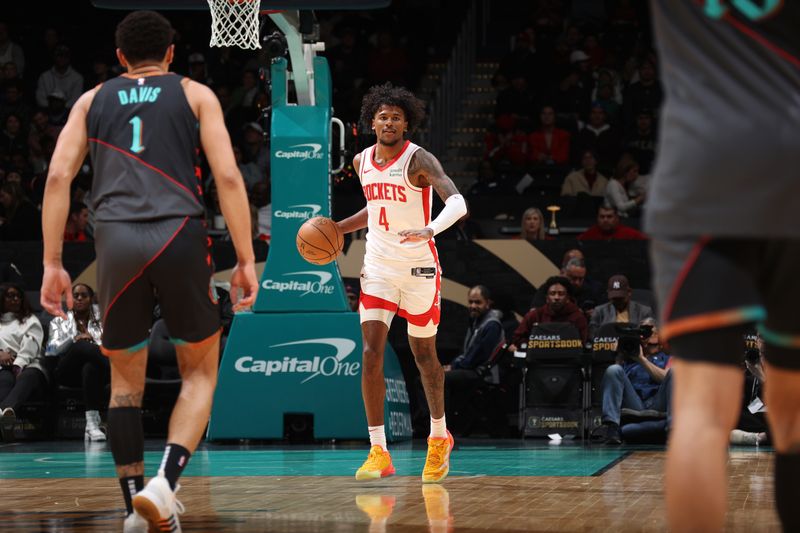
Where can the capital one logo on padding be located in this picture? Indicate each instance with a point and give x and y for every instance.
(301, 151)
(301, 211)
(314, 365)
(318, 284)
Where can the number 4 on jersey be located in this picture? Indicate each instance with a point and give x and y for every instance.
(382, 219)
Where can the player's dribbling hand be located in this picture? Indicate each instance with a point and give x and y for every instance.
(243, 277)
(415, 235)
(55, 285)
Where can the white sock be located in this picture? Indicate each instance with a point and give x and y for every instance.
(377, 436)
(92, 419)
(438, 428)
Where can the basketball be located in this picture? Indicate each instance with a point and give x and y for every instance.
(319, 240)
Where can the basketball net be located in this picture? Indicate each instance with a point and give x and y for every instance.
(235, 23)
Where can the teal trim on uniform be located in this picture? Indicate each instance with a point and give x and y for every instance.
(177, 342)
(479, 461)
(137, 347)
(783, 340)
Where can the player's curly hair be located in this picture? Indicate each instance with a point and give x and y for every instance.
(144, 36)
(388, 94)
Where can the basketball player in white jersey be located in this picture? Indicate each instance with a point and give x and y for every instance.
(401, 273)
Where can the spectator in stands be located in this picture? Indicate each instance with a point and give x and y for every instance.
(22, 372)
(262, 200)
(532, 223)
(575, 89)
(600, 137)
(12, 141)
(559, 307)
(549, 145)
(198, 71)
(585, 292)
(642, 143)
(643, 94)
(522, 60)
(516, 101)
(15, 103)
(751, 430)
(75, 343)
(57, 110)
(482, 342)
(609, 228)
(604, 97)
(60, 77)
(620, 308)
(39, 129)
(508, 143)
(639, 382)
(487, 181)
(101, 73)
(10, 51)
(19, 218)
(76, 223)
(353, 293)
(253, 147)
(626, 173)
(587, 180)
(245, 94)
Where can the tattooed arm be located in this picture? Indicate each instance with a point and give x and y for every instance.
(425, 170)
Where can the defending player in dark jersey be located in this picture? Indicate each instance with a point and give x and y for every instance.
(726, 250)
(143, 130)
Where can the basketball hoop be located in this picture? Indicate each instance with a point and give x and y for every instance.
(235, 23)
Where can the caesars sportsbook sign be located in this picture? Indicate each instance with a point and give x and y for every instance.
(300, 363)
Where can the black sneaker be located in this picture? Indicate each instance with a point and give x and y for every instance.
(608, 433)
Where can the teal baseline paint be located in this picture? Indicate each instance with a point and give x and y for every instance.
(323, 462)
(301, 189)
(279, 363)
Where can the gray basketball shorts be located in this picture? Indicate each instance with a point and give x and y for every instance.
(165, 261)
(711, 291)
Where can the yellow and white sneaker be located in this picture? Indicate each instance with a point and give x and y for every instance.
(378, 465)
(437, 464)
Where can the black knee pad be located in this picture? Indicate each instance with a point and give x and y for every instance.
(125, 434)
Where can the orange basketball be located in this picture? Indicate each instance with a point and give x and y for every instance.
(319, 240)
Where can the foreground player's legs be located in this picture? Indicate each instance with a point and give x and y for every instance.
(782, 391)
(373, 390)
(440, 442)
(706, 402)
(197, 363)
(125, 419)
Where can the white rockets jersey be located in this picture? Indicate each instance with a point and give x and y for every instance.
(394, 204)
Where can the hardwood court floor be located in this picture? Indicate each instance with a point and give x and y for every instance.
(493, 486)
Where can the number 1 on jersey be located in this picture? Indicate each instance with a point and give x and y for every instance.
(136, 144)
(382, 219)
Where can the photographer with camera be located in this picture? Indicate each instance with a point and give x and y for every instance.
(751, 430)
(639, 380)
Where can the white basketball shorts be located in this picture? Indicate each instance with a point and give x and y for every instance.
(411, 290)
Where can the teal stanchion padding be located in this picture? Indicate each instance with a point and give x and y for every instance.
(300, 174)
(301, 363)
